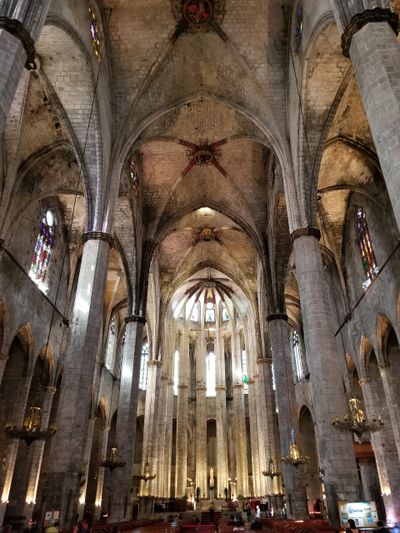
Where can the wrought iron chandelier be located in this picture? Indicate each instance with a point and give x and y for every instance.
(272, 471)
(295, 458)
(356, 421)
(146, 476)
(113, 461)
(30, 429)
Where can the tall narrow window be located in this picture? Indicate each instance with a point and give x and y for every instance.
(111, 345)
(368, 258)
(194, 317)
(210, 374)
(143, 366)
(95, 32)
(225, 314)
(176, 372)
(134, 175)
(43, 249)
(245, 371)
(298, 31)
(297, 355)
(210, 312)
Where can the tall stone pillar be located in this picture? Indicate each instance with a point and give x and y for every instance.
(293, 477)
(383, 443)
(335, 449)
(150, 433)
(65, 462)
(182, 419)
(169, 407)
(101, 472)
(239, 430)
(160, 434)
(266, 423)
(85, 465)
(3, 362)
(20, 25)
(369, 39)
(220, 406)
(121, 481)
(36, 455)
(201, 416)
(390, 384)
(254, 430)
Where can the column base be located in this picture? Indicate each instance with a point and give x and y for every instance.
(61, 493)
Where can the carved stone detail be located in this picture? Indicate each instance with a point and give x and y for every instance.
(16, 28)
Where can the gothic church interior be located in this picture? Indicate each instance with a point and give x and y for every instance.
(199, 256)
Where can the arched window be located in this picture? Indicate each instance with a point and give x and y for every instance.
(225, 315)
(95, 32)
(210, 374)
(43, 249)
(134, 175)
(143, 366)
(111, 345)
(245, 371)
(176, 372)
(298, 30)
(368, 258)
(297, 351)
(210, 312)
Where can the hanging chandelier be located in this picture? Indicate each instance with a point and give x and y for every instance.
(30, 429)
(295, 458)
(355, 421)
(272, 471)
(146, 476)
(113, 461)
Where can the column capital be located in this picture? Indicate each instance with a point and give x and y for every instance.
(201, 388)
(220, 388)
(51, 390)
(378, 14)
(237, 386)
(16, 28)
(364, 381)
(98, 236)
(183, 387)
(264, 361)
(277, 316)
(164, 378)
(250, 381)
(153, 362)
(305, 232)
(135, 318)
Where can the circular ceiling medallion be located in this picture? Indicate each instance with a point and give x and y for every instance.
(198, 11)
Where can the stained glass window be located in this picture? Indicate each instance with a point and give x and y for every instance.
(111, 345)
(210, 374)
(298, 32)
(368, 258)
(210, 315)
(43, 249)
(95, 32)
(176, 373)
(225, 314)
(297, 355)
(245, 371)
(134, 175)
(143, 366)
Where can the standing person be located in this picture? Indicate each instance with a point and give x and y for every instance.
(84, 525)
(258, 511)
(351, 526)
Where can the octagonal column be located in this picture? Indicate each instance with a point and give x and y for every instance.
(182, 416)
(335, 449)
(201, 417)
(220, 406)
(293, 477)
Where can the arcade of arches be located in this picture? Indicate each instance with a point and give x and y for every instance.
(199, 254)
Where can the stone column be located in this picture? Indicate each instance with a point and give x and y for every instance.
(7, 472)
(20, 25)
(201, 417)
(220, 408)
(335, 449)
(101, 472)
(84, 475)
(65, 462)
(293, 477)
(160, 435)
(392, 403)
(239, 430)
(150, 432)
(121, 481)
(169, 407)
(371, 44)
(383, 444)
(255, 451)
(36, 455)
(266, 421)
(182, 419)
